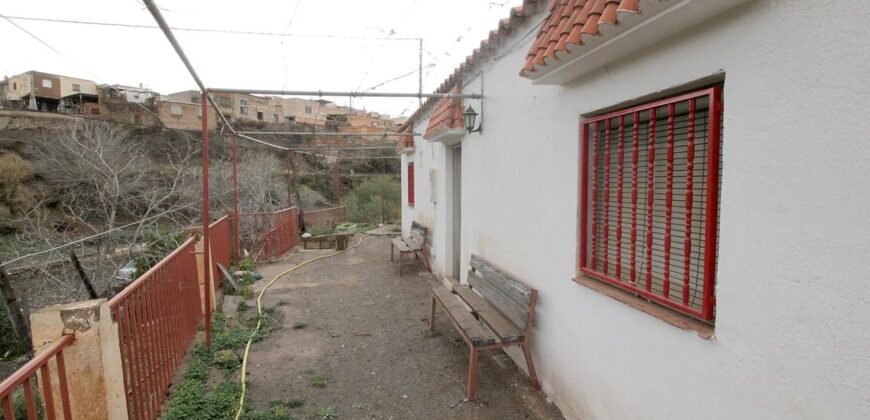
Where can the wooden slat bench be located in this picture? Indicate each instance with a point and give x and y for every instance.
(502, 311)
(410, 245)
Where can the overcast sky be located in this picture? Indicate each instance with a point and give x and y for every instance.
(325, 57)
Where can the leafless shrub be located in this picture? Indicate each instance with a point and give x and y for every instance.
(15, 172)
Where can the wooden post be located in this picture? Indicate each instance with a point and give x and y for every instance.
(84, 277)
(19, 321)
(432, 314)
(472, 374)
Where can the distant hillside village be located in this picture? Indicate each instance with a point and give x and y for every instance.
(47, 92)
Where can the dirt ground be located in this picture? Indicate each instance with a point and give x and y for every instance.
(361, 332)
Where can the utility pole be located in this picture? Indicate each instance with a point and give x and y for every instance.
(206, 219)
(420, 70)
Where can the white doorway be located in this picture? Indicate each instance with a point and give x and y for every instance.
(455, 211)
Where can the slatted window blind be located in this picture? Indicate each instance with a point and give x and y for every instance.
(410, 184)
(649, 219)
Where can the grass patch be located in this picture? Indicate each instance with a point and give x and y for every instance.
(319, 381)
(247, 264)
(246, 292)
(326, 413)
(242, 306)
(194, 399)
(287, 403)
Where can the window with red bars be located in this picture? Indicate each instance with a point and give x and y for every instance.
(410, 184)
(650, 189)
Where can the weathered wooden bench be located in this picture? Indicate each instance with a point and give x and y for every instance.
(501, 314)
(410, 245)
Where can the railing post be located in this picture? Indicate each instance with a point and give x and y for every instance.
(94, 373)
(205, 274)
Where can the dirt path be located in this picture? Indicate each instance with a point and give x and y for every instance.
(360, 347)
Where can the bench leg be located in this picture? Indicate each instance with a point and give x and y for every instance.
(531, 366)
(401, 255)
(391, 251)
(432, 315)
(472, 375)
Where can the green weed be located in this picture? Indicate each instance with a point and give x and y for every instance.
(326, 413)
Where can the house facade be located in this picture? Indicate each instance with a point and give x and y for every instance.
(307, 111)
(51, 92)
(184, 115)
(135, 94)
(243, 107)
(34, 90)
(683, 184)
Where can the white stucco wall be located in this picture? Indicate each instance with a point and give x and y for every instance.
(792, 301)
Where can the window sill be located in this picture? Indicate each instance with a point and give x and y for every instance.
(676, 319)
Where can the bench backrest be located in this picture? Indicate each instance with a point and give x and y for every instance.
(514, 299)
(418, 233)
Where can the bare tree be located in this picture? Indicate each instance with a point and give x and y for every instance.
(99, 176)
(258, 189)
(100, 173)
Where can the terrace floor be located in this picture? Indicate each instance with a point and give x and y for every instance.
(365, 336)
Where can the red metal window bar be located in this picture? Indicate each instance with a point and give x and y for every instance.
(658, 240)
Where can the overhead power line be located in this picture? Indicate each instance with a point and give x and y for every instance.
(416, 69)
(56, 51)
(212, 30)
(97, 235)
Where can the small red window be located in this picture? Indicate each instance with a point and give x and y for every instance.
(411, 184)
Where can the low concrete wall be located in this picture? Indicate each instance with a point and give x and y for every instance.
(93, 361)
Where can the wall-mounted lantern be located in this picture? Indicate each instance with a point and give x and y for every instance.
(470, 116)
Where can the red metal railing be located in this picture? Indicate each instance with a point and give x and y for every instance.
(284, 236)
(326, 218)
(269, 234)
(26, 377)
(661, 256)
(220, 236)
(158, 316)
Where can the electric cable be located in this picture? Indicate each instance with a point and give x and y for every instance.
(56, 51)
(97, 235)
(212, 30)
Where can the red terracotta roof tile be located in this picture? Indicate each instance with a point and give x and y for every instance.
(405, 143)
(447, 115)
(487, 48)
(568, 22)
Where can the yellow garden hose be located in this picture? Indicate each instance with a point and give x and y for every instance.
(260, 316)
